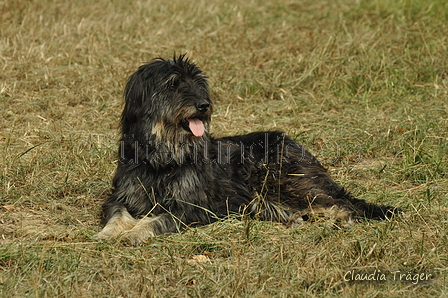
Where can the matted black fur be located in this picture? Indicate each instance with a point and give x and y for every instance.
(173, 174)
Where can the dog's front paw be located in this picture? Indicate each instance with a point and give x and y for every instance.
(116, 225)
(108, 232)
(137, 237)
(133, 237)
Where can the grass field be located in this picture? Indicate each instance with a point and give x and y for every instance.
(363, 84)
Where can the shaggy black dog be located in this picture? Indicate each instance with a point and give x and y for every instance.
(173, 174)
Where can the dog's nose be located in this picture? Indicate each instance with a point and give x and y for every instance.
(203, 106)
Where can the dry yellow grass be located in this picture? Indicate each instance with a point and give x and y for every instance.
(362, 83)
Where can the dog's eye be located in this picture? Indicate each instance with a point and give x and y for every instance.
(174, 84)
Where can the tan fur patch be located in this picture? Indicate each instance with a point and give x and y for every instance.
(116, 225)
(159, 130)
(142, 231)
(136, 231)
(334, 214)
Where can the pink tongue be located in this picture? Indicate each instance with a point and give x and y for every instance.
(196, 126)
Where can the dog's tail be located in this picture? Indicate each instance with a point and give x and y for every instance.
(368, 210)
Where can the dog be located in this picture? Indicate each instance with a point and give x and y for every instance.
(172, 174)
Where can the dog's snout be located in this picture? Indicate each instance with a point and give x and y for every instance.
(203, 106)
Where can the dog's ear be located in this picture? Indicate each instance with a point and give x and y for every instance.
(138, 90)
(134, 95)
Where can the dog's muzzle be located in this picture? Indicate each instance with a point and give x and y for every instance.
(195, 123)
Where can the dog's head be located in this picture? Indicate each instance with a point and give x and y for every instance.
(168, 100)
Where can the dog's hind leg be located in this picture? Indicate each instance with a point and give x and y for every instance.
(320, 206)
(367, 210)
(267, 210)
(343, 210)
